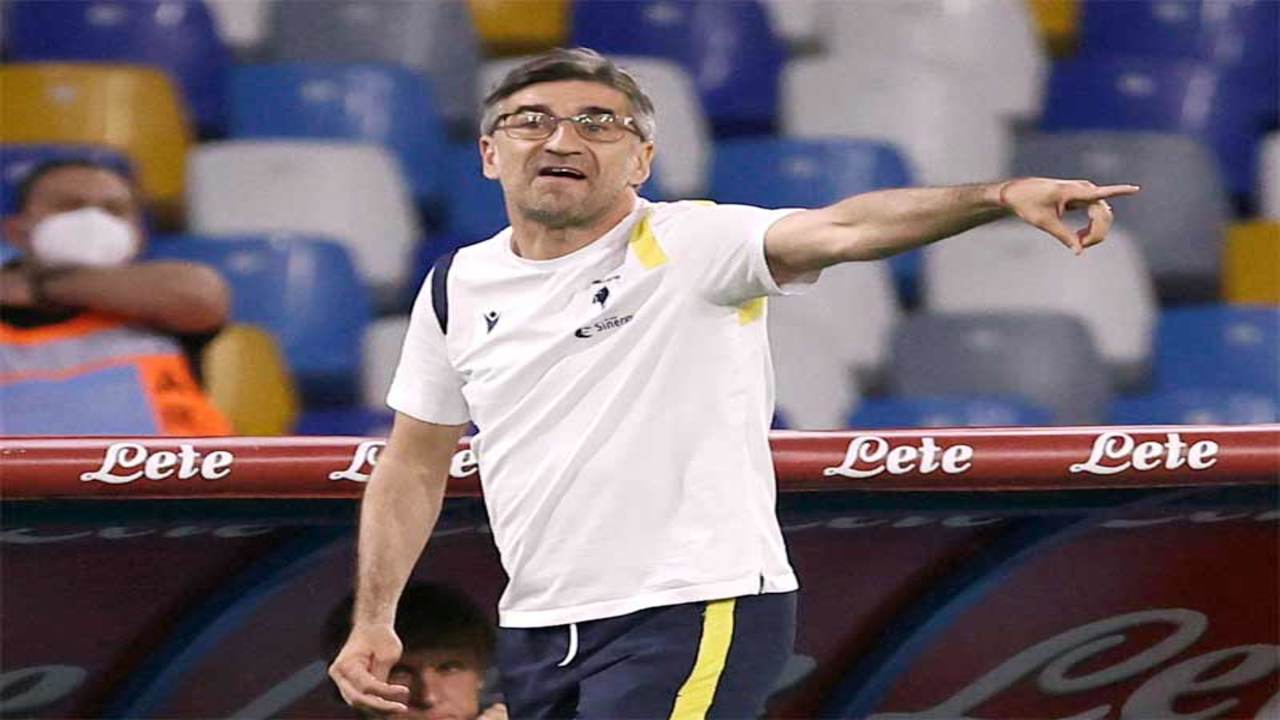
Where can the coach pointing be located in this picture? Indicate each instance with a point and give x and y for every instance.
(612, 353)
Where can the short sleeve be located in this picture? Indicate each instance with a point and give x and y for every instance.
(729, 247)
(426, 385)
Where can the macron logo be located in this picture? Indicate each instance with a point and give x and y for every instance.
(491, 319)
(611, 323)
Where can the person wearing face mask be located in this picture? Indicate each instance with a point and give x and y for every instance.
(93, 341)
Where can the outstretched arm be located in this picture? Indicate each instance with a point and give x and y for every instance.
(398, 512)
(879, 224)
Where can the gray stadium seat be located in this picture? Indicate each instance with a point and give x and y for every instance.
(1046, 358)
(435, 37)
(1178, 219)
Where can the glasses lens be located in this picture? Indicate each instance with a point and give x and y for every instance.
(602, 127)
(529, 125)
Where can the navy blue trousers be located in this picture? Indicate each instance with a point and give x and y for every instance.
(717, 659)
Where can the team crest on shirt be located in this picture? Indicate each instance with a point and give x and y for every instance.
(601, 295)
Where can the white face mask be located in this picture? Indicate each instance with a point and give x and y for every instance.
(86, 237)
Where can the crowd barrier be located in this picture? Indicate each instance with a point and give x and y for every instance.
(1094, 572)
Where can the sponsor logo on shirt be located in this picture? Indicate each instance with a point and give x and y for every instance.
(601, 326)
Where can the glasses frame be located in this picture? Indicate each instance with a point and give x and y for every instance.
(627, 122)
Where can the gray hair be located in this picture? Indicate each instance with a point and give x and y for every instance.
(571, 64)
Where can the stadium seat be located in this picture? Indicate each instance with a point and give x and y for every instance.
(1058, 22)
(381, 355)
(1195, 406)
(1182, 96)
(359, 422)
(801, 24)
(1045, 358)
(351, 192)
(16, 161)
(304, 290)
(476, 209)
(436, 38)
(1178, 219)
(826, 97)
(728, 48)
(684, 138)
(831, 342)
(1219, 346)
(242, 24)
(948, 411)
(177, 36)
(1269, 177)
(132, 109)
(1010, 266)
(1251, 265)
(247, 377)
(774, 172)
(1233, 33)
(365, 102)
(520, 26)
(953, 40)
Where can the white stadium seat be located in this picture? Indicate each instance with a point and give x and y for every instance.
(382, 343)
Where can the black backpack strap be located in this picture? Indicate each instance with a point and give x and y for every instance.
(439, 289)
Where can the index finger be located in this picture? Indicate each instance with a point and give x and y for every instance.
(1110, 191)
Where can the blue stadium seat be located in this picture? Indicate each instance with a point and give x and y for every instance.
(369, 102)
(1195, 406)
(304, 290)
(361, 422)
(948, 411)
(773, 172)
(1234, 33)
(16, 160)
(728, 48)
(1135, 93)
(1219, 346)
(476, 209)
(177, 36)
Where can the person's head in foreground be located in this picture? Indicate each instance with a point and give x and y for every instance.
(448, 647)
(569, 135)
(76, 213)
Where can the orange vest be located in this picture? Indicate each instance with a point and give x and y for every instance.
(95, 374)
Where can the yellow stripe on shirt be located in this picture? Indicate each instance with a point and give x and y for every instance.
(695, 696)
(751, 311)
(645, 245)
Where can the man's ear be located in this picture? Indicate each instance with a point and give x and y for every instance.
(489, 157)
(17, 231)
(644, 165)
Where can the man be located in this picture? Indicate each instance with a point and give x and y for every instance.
(448, 649)
(612, 353)
(92, 341)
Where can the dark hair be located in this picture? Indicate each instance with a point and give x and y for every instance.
(22, 193)
(430, 616)
(570, 64)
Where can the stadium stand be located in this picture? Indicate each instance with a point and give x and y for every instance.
(513, 27)
(1219, 346)
(1251, 266)
(1195, 406)
(958, 411)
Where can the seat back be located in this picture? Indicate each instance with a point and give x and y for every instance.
(1195, 406)
(247, 378)
(1223, 346)
(132, 109)
(437, 38)
(304, 290)
(382, 344)
(1180, 216)
(1251, 265)
(1009, 266)
(948, 411)
(1269, 177)
(377, 103)
(518, 26)
(1240, 32)
(353, 193)
(803, 173)
(176, 36)
(1046, 358)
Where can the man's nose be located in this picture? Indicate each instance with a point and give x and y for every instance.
(427, 689)
(564, 140)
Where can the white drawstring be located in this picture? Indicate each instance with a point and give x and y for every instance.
(573, 645)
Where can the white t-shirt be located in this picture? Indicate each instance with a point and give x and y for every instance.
(623, 395)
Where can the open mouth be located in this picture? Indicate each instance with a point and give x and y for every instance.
(567, 173)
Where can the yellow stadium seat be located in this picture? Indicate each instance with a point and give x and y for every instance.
(520, 26)
(134, 109)
(1251, 268)
(246, 377)
(1058, 23)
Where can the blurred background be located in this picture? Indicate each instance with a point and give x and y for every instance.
(321, 154)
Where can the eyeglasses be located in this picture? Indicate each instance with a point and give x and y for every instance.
(593, 127)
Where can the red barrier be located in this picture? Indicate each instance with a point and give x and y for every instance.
(947, 573)
(1011, 459)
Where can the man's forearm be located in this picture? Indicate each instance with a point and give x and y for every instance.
(399, 511)
(886, 222)
(174, 296)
